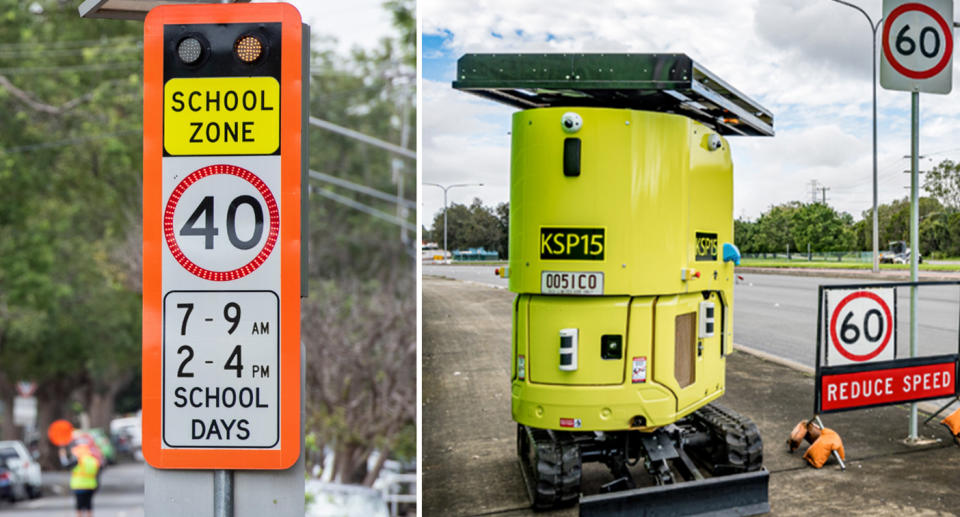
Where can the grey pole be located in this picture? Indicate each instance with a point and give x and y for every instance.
(914, 235)
(445, 221)
(222, 493)
(876, 224)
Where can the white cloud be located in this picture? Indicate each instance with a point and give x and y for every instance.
(808, 62)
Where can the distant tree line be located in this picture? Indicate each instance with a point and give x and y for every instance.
(473, 226)
(824, 229)
(792, 224)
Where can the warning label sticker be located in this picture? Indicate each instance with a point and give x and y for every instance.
(221, 116)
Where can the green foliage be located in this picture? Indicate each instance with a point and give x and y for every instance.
(796, 225)
(943, 183)
(359, 322)
(69, 188)
(473, 226)
(826, 230)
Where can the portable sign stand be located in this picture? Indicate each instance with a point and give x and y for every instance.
(917, 56)
(223, 172)
(866, 372)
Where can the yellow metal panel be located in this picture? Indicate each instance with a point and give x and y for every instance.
(593, 317)
(709, 364)
(636, 181)
(656, 190)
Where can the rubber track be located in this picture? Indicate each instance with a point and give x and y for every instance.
(556, 474)
(737, 446)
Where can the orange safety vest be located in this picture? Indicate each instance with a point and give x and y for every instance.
(84, 475)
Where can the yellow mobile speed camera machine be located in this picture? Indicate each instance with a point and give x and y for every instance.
(622, 258)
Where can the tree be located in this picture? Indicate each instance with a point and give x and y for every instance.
(503, 220)
(359, 322)
(775, 228)
(69, 169)
(821, 228)
(473, 226)
(943, 183)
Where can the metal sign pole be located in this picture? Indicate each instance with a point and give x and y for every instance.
(223, 479)
(222, 493)
(914, 237)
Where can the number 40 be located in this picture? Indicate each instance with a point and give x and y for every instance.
(208, 230)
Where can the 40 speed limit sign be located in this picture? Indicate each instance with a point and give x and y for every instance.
(222, 229)
(917, 44)
(861, 326)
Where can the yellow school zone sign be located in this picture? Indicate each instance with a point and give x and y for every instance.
(221, 116)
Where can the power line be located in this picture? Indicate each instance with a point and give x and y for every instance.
(69, 141)
(69, 68)
(363, 189)
(364, 208)
(367, 139)
(29, 53)
(70, 43)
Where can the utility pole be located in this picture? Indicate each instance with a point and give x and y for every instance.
(813, 191)
(823, 194)
(445, 189)
(873, 39)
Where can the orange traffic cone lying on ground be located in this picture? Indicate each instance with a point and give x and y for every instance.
(952, 423)
(804, 430)
(819, 451)
(822, 442)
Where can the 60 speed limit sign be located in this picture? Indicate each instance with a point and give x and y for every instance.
(222, 212)
(861, 326)
(917, 44)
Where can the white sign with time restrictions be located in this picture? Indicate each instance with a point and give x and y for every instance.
(221, 384)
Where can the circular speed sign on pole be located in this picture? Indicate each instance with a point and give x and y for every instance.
(917, 43)
(861, 326)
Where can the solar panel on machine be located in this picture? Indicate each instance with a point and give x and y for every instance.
(670, 83)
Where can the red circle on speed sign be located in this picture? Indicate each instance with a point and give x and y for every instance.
(836, 314)
(944, 27)
(249, 267)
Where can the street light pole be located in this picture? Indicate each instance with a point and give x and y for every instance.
(445, 189)
(876, 226)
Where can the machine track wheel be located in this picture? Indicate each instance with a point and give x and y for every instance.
(551, 465)
(735, 446)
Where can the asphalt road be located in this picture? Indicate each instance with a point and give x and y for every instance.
(469, 439)
(120, 495)
(777, 314)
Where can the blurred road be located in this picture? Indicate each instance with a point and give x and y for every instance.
(120, 495)
(777, 314)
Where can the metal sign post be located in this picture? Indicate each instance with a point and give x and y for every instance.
(917, 56)
(223, 166)
(914, 237)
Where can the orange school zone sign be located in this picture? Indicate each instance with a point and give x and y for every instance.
(221, 227)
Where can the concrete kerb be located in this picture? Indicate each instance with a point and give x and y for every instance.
(859, 274)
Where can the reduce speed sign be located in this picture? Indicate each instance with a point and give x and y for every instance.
(861, 326)
(917, 43)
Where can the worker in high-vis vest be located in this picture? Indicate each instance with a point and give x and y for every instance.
(83, 478)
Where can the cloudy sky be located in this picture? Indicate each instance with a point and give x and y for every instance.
(808, 61)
